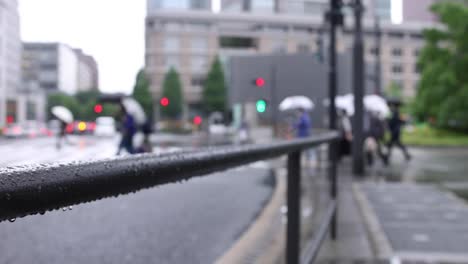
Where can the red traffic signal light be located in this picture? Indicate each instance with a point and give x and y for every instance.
(259, 82)
(10, 119)
(164, 101)
(197, 120)
(98, 109)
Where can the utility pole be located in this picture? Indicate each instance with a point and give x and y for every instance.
(274, 103)
(378, 58)
(358, 87)
(335, 19)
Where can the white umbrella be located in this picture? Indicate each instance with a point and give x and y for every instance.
(134, 108)
(345, 102)
(378, 104)
(62, 113)
(296, 102)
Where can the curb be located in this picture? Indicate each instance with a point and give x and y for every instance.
(247, 246)
(379, 241)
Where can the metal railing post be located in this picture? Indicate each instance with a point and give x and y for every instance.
(333, 186)
(294, 196)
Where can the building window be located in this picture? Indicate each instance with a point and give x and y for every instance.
(373, 51)
(171, 62)
(150, 24)
(47, 57)
(396, 35)
(416, 36)
(416, 52)
(48, 76)
(199, 44)
(197, 26)
(303, 48)
(198, 81)
(397, 69)
(169, 26)
(49, 85)
(397, 52)
(171, 44)
(278, 46)
(199, 63)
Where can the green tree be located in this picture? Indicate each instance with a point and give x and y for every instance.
(443, 89)
(214, 90)
(394, 91)
(67, 101)
(141, 93)
(172, 89)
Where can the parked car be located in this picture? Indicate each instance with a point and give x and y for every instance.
(80, 128)
(105, 127)
(13, 130)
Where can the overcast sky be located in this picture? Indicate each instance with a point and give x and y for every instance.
(110, 30)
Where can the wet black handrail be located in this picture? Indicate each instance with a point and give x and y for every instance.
(28, 190)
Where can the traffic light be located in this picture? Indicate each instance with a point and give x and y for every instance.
(98, 108)
(261, 106)
(197, 120)
(259, 82)
(164, 101)
(10, 119)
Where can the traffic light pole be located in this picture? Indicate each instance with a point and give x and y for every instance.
(274, 102)
(335, 18)
(358, 83)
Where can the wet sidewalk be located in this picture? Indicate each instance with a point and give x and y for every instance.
(390, 217)
(416, 222)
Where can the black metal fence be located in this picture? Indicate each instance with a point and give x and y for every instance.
(29, 190)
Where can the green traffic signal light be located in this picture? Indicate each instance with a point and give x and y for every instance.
(261, 106)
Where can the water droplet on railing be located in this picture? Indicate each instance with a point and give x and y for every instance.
(70, 207)
(64, 209)
(12, 220)
(8, 197)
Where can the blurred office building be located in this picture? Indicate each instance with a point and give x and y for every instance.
(58, 67)
(10, 62)
(188, 38)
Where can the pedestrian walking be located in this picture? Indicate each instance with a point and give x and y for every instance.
(346, 134)
(302, 125)
(61, 135)
(395, 125)
(375, 137)
(128, 131)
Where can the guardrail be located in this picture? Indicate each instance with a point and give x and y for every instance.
(28, 190)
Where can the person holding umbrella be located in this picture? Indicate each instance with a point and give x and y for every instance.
(133, 118)
(65, 117)
(128, 131)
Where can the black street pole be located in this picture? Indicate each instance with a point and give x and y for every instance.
(274, 100)
(378, 58)
(335, 18)
(358, 83)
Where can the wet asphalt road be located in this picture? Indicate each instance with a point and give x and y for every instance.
(194, 222)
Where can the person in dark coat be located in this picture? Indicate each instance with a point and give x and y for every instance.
(129, 129)
(377, 133)
(395, 124)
